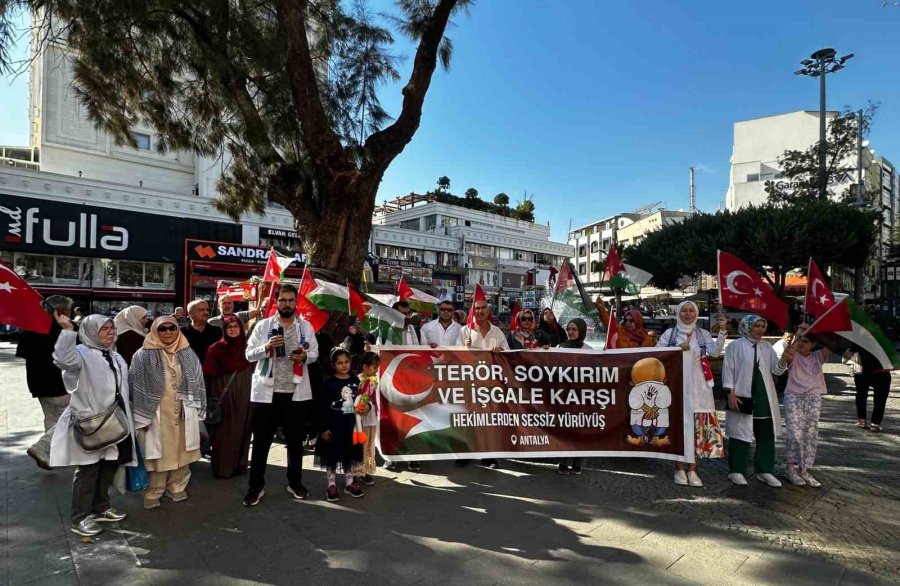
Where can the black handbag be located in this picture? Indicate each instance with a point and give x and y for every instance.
(214, 404)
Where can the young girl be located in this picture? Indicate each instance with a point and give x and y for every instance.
(335, 447)
(367, 403)
(802, 403)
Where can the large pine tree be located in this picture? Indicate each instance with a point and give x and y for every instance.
(287, 88)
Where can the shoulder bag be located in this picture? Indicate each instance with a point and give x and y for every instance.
(105, 429)
(214, 404)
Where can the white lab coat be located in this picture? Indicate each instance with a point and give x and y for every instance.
(701, 394)
(737, 374)
(263, 387)
(85, 370)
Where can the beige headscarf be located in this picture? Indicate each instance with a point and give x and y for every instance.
(152, 341)
(131, 319)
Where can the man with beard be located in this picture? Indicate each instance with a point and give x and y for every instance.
(283, 346)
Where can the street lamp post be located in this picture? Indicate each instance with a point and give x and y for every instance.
(819, 64)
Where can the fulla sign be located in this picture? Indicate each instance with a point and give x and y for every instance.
(27, 226)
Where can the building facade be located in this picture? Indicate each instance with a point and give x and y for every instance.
(452, 248)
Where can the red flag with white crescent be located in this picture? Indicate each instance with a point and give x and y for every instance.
(741, 287)
(612, 332)
(818, 298)
(20, 305)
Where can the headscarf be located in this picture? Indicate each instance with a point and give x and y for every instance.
(638, 334)
(89, 331)
(227, 355)
(147, 375)
(746, 326)
(582, 333)
(526, 337)
(686, 328)
(555, 332)
(131, 319)
(153, 341)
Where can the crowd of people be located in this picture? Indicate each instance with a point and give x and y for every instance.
(122, 391)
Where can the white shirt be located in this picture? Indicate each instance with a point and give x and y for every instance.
(434, 333)
(410, 338)
(494, 338)
(701, 394)
(263, 384)
(779, 347)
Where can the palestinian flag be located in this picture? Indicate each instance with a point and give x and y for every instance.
(615, 275)
(866, 334)
(387, 323)
(356, 303)
(329, 296)
(305, 308)
(636, 276)
(419, 301)
(569, 291)
(276, 266)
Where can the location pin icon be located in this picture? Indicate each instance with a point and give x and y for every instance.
(514, 439)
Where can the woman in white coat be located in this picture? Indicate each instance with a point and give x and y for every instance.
(709, 440)
(92, 373)
(747, 373)
(169, 401)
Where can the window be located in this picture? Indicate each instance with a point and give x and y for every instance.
(430, 222)
(142, 139)
(595, 246)
(447, 221)
(410, 224)
(582, 250)
(38, 269)
(154, 274)
(752, 177)
(595, 266)
(582, 269)
(68, 269)
(131, 274)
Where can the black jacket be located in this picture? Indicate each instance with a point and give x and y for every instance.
(43, 377)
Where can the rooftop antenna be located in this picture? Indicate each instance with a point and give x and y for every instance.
(693, 195)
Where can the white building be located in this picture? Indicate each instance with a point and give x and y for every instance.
(456, 247)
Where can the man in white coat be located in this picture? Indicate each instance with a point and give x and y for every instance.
(282, 346)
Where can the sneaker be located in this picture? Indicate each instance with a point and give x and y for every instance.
(562, 469)
(87, 527)
(737, 478)
(389, 465)
(808, 478)
(681, 478)
(41, 459)
(253, 496)
(110, 515)
(354, 490)
(151, 504)
(177, 497)
(768, 479)
(875, 428)
(794, 476)
(414, 466)
(368, 480)
(861, 423)
(576, 470)
(298, 491)
(331, 494)
(694, 479)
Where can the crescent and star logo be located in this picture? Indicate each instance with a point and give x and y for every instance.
(824, 299)
(729, 283)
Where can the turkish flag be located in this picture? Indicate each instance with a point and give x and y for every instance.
(834, 319)
(614, 264)
(612, 332)
(476, 297)
(741, 287)
(404, 291)
(818, 297)
(305, 308)
(20, 305)
(514, 322)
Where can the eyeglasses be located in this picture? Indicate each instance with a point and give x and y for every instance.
(171, 328)
(526, 319)
(235, 326)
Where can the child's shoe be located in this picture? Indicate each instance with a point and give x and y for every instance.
(368, 480)
(331, 494)
(354, 490)
(794, 476)
(808, 479)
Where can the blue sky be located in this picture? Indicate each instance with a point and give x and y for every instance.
(600, 107)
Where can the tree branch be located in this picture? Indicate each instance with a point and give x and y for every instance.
(386, 144)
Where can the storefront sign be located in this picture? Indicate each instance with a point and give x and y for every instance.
(278, 233)
(449, 270)
(52, 227)
(396, 262)
(450, 404)
(478, 262)
(205, 250)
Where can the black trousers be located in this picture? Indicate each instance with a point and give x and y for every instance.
(90, 488)
(294, 419)
(881, 384)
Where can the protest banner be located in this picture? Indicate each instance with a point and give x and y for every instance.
(457, 403)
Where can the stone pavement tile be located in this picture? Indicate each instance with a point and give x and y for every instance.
(703, 572)
(777, 567)
(35, 561)
(620, 530)
(62, 579)
(857, 578)
(107, 559)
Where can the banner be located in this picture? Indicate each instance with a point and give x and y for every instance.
(239, 292)
(456, 403)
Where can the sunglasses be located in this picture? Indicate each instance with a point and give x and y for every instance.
(167, 329)
(526, 319)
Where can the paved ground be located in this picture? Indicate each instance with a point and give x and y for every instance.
(623, 521)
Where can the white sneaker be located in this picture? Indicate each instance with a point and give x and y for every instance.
(681, 478)
(806, 476)
(694, 478)
(737, 479)
(769, 479)
(794, 476)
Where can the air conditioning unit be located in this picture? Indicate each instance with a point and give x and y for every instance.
(460, 297)
(519, 256)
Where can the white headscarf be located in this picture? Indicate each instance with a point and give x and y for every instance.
(131, 319)
(89, 331)
(683, 327)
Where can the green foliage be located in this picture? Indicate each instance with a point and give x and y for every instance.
(524, 211)
(501, 199)
(801, 168)
(471, 193)
(443, 184)
(778, 238)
